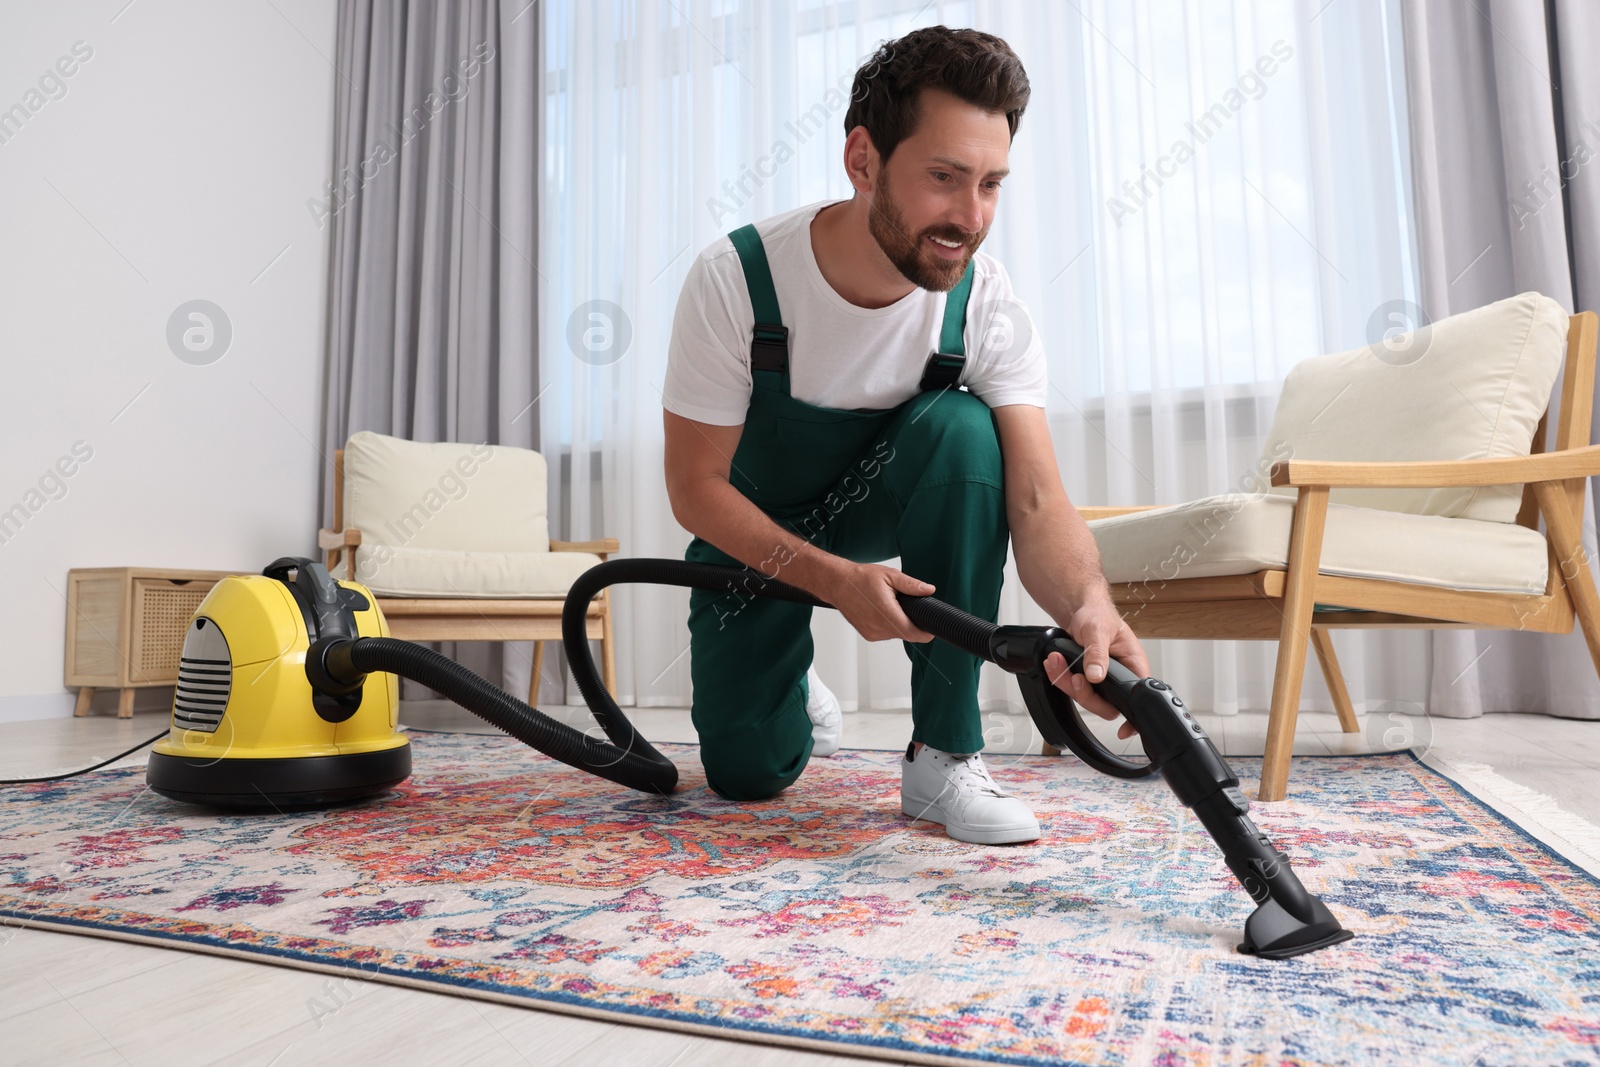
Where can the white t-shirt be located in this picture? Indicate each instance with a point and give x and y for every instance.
(840, 355)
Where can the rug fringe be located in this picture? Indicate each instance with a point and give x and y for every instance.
(1541, 815)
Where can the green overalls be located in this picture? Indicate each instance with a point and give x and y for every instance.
(921, 481)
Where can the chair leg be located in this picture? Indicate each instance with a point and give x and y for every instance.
(538, 673)
(1322, 641)
(1305, 554)
(1566, 539)
(1285, 706)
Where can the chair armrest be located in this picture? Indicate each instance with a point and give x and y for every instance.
(1503, 470)
(599, 548)
(1091, 513)
(337, 543)
(327, 539)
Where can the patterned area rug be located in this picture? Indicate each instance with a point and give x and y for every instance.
(825, 919)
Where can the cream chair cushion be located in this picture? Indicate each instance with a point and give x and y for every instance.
(1239, 533)
(440, 572)
(1471, 386)
(452, 520)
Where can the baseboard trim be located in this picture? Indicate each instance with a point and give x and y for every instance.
(30, 706)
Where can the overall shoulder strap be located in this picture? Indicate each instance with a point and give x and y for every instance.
(943, 370)
(769, 343)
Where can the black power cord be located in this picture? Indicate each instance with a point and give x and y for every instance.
(86, 770)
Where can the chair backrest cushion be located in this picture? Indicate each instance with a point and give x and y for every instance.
(1470, 386)
(467, 497)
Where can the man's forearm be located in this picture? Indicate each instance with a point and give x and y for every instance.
(1057, 559)
(720, 514)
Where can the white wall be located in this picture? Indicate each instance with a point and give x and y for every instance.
(176, 166)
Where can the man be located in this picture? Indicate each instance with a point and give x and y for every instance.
(809, 435)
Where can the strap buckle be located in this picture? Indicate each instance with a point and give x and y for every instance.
(769, 347)
(943, 371)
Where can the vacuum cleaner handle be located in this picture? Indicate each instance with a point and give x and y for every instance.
(1021, 650)
(318, 593)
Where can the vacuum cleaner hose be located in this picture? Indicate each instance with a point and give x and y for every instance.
(960, 628)
(634, 763)
(574, 628)
(340, 664)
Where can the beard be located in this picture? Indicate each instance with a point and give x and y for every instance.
(910, 254)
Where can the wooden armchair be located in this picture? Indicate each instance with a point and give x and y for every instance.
(458, 615)
(1301, 601)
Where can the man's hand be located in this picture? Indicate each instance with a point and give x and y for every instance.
(1097, 626)
(864, 595)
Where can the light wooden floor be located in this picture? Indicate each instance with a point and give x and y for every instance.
(84, 1000)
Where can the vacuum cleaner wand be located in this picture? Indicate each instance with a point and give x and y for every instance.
(1288, 920)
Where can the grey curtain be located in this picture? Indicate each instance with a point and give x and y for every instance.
(433, 302)
(1504, 104)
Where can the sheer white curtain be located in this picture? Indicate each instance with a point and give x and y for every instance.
(1201, 195)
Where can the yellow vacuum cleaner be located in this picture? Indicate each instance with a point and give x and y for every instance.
(248, 729)
(288, 684)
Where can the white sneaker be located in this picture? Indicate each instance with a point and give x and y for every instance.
(827, 721)
(958, 792)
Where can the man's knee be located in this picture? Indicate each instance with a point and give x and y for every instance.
(745, 772)
(755, 738)
(956, 428)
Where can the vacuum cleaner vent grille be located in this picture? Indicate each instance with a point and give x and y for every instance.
(205, 678)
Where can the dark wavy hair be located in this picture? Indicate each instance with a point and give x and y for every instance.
(977, 67)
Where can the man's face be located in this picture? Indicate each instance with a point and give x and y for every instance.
(943, 186)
